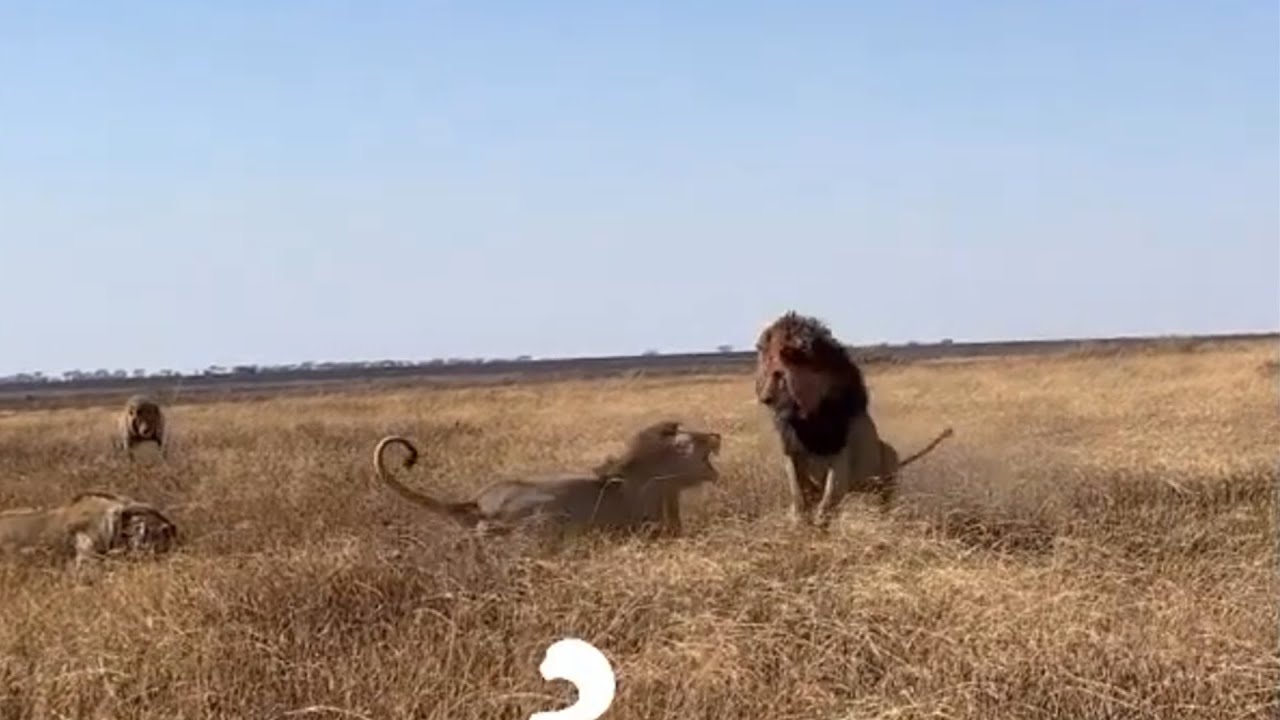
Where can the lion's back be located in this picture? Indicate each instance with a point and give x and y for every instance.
(25, 527)
(572, 496)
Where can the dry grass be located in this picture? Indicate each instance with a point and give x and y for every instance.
(1098, 541)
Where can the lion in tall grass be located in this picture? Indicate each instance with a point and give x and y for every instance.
(141, 420)
(637, 491)
(818, 401)
(90, 525)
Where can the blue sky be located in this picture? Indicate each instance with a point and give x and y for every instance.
(196, 183)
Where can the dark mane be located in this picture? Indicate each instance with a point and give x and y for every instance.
(807, 342)
(811, 343)
(142, 405)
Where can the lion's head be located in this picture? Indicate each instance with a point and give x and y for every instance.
(666, 451)
(800, 366)
(144, 529)
(126, 525)
(144, 415)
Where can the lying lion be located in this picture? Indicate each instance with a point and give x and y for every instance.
(639, 491)
(92, 524)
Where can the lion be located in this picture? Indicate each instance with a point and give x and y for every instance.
(638, 491)
(140, 421)
(90, 525)
(818, 400)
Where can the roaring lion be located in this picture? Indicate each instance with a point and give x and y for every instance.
(92, 524)
(638, 491)
(140, 421)
(818, 400)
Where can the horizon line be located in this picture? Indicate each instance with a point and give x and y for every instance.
(455, 360)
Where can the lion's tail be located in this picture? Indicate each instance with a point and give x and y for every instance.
(464, 513)
(927, 448)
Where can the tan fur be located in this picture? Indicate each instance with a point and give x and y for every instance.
(638, 491)
(140, 421)
(819, 404)
(866, 464)
(89, 525)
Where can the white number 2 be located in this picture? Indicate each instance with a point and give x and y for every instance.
(588, 669)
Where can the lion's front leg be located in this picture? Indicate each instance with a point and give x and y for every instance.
(651, 530)
(671, 525)
(835, 487)
(87, 562)
(798, 478)
(886, 489)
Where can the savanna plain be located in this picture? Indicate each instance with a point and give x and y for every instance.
(1098, 540)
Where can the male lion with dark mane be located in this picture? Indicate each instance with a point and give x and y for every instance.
(141, 420)
(638, 491)
(819, 403)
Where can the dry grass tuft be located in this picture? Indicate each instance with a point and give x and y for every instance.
(1097, 541)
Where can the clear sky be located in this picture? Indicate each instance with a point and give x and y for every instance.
(194, 183)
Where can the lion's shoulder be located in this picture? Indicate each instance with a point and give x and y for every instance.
(863, 435)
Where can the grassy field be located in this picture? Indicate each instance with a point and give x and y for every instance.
(1097, 541)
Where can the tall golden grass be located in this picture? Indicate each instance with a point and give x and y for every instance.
(1097, 541)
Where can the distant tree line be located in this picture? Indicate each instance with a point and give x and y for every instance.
(349, 367)
(240, 370)
(71, 376)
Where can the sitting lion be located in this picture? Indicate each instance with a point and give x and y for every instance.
(818, 400)
(140, 421)
(92, 524)
(639, 491)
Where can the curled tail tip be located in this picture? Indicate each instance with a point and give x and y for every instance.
(394, 439)
(411, 457)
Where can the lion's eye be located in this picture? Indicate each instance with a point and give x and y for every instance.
(791, 355)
